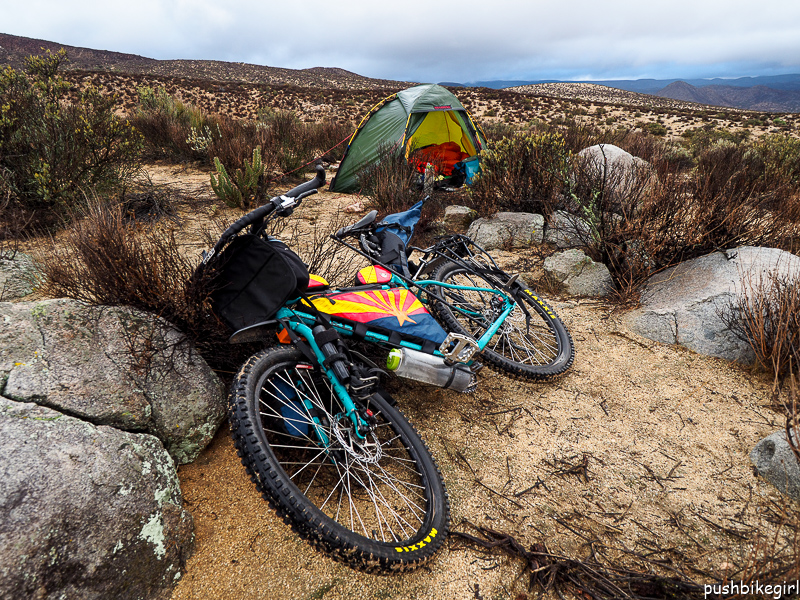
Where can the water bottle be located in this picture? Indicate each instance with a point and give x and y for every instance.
(430, 369)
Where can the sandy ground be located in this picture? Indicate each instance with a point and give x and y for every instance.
(641, 445)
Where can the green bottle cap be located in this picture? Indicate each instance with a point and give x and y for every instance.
(393, 361)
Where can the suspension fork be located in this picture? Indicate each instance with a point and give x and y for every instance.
(351, 410)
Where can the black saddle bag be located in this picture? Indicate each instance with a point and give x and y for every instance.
(253, 278)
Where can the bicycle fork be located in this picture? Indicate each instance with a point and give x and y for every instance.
(351, 411)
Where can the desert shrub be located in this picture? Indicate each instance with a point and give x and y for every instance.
(655, 215)
(105, 259)
(391, 183)
(329, 138)
(605, 206)
(292, 145)
(53, 153)
(719, 205)
(523, 172)
(702, 138)
(236, 142)
(172, 128)
(780, 157)
(497, 130)
(766, 315)
(654, 128)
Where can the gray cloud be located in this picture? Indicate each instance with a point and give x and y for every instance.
(425, 41)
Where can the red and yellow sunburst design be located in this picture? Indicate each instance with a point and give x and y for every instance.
(316, 282)
(396, 309)
(367, 306)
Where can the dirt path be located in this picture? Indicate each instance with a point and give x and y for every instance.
(639, 443)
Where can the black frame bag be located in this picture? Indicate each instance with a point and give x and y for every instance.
(253, 278)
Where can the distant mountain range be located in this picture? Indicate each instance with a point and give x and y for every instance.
(774, 93)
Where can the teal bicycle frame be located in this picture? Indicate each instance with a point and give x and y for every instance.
(300, 322)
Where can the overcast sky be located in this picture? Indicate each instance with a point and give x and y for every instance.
(438, 41)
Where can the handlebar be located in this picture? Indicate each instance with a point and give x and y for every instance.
(285, 202)
(314, 184)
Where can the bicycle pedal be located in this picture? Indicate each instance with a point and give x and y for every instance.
(457, 347)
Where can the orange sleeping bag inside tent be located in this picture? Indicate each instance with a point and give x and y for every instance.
(441, 156)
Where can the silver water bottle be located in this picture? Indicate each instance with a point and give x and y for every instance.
(430, 369)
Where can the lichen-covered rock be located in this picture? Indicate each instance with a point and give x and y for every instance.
(18, 275)
(776, 462)
(110, 366)
(85, 511)
(458, 218)
(507, 230)
(578, 273)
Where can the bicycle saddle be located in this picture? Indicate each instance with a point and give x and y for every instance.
(365, 222)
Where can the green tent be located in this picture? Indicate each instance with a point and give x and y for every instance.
(424, 118)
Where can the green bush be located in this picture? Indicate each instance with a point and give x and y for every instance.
(703, 138)
(53, 153)
(656, 129)
(173, 128)
(523, 172)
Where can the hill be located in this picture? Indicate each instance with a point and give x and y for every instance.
(14, 49)
(605, 94)
(758, 97)
(242, 90)
(774, 93)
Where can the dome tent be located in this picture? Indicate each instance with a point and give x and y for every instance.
(424, 116)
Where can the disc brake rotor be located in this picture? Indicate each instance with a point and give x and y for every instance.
(367, 450)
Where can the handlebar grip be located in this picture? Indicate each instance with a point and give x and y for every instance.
(314, 184)
(241, 223)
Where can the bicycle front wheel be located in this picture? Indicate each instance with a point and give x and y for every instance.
(376, 502)
(539, 348)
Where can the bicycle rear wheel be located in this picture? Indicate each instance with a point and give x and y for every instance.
(539, 350)
(377, 503)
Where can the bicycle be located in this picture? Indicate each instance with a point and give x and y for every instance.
(321, 439)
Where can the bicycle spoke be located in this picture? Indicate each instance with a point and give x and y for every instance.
(383, 497)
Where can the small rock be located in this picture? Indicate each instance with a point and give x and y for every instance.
(458, 218)
(579, 274)
(356, 207)
(776, 462)
(18, 276)
(507, 230)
